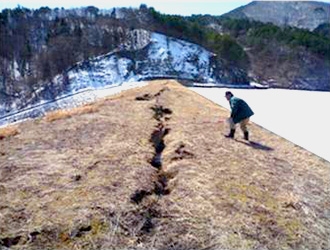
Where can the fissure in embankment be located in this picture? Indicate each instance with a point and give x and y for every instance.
(160, 185)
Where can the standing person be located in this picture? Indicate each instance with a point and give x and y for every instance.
(240, 113)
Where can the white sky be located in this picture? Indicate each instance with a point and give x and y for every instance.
(181, 7)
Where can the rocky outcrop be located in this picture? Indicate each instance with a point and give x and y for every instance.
(301, 14)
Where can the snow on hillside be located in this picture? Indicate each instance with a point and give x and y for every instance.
(100, 73)
(299, 116)
(161, 57)
(167, 57)
(186, 58)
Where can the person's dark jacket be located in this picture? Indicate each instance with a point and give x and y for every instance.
(240, 110)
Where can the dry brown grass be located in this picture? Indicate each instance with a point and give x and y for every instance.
(8, 132)
(64, 114)
(87, 182)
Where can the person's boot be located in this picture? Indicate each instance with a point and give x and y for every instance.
(231, 134)
(246, 135)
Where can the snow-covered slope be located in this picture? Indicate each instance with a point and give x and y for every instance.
(161, 57)
(146, 56)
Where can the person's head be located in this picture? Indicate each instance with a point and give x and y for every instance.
(228, 95)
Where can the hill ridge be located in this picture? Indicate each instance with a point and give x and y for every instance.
(285, 13)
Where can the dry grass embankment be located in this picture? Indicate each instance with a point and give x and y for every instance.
(8, 131)
(67, 113)
(151, 169)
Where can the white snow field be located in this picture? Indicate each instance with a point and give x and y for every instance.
(302, 117)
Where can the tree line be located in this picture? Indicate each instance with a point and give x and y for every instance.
(44, 45)
(195, 30)
(260, 34)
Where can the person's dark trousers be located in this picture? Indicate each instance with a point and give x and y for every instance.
(246, 135)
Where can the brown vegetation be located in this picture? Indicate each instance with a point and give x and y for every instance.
(8, 131)
(63, 114)
(151, 169)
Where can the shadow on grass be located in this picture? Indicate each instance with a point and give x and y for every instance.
(256, 145)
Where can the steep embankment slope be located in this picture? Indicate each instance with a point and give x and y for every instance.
(151, 169)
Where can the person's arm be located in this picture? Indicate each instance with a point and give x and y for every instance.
(234, 107)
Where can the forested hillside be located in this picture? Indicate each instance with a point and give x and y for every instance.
(36, 45)
(39, 44)
(285, 57)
